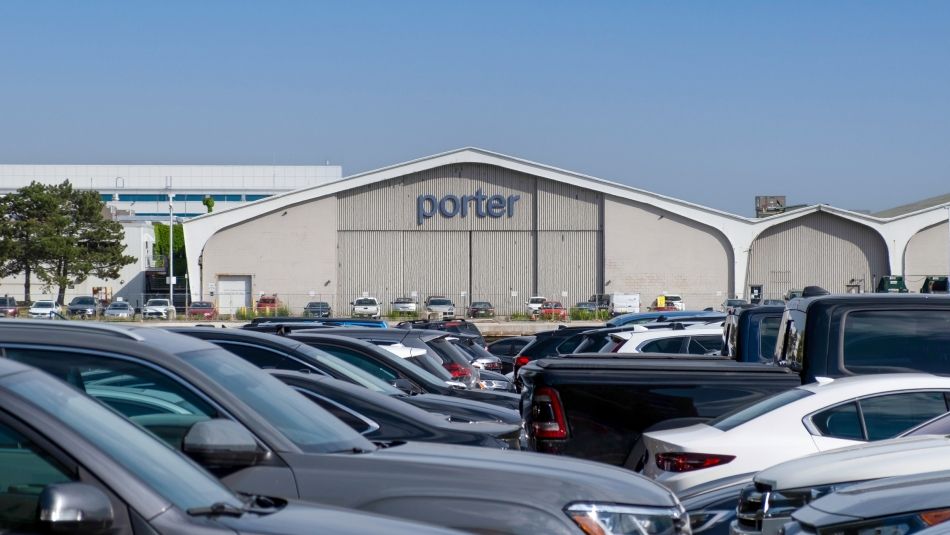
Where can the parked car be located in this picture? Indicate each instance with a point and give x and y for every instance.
(285, 353)
(271, 322)
(586, 306)
(481, 309)
(8, 307)
(712, 506)
(43, 309)
(660, 316)
(730, 305)
(119, 309)
(553, 310)
(624, 303)
(405, 305)
(382, 418)
(599, 301)
(366, 307)
(70, 465)
(807, 419)
(917, 505)
(277, 440)
(776, 492)
(267, 305)
(704, 341)
(545, 344)
(317, 309)
(507, 348)
(203, 310)
(440, 307)
(534, 304)
(84, 305)
(458, 326)
(158, 309)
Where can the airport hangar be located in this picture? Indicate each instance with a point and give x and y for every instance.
(476, 225)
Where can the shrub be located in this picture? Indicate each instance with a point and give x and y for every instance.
(282, 310)
(519, 316)
(243, 314)
(398, 315)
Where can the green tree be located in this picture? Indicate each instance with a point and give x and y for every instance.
(208, 201)
(28, 232)
(87, 242)
(161, 246)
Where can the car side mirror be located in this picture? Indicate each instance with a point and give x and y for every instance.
(404, 384)
(77, 508)
(221, 444)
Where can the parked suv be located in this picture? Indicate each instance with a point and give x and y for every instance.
(8, 307)
(317, 309)
(262, 437)
(440, 306)
(365, 307)
(158, 309)
(84, 305)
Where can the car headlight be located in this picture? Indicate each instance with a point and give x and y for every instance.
(784, 503)
(892, 525)
(611, 519)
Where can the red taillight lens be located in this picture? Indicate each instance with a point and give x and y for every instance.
(457, 370)
(547, 414)
(687, 462)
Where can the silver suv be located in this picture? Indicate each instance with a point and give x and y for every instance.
(440, 306)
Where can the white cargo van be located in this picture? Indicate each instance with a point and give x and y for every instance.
(624, 304)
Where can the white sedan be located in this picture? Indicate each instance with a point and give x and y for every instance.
(797, 422)
(43, 309)
(693, 340)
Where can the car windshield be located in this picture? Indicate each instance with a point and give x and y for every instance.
(552, 304)
(365, 302)
(157, 303)
(201, 304)
(316, 304)
(403, 300)
(266, 300)
(166, 471)
(481, 304)
(119, 305)
(750, 412)
(311, 428)
(536, 300)
(43, 304)
(83, 301)
(440, 302)
(355, 374)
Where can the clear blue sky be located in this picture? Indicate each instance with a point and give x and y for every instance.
(840, 102)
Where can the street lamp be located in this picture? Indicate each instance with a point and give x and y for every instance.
(171, 249)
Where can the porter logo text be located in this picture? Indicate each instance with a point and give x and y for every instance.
(480, 205)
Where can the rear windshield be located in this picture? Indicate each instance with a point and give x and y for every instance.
(534, 300)
(768, 334)
(750, 412)
(43, 304)
(266, 300)
(84, 301)
(316, 304)
(201, 304)
(366, 302)
(877, 341)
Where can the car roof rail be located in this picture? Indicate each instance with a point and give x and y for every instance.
(99, 328)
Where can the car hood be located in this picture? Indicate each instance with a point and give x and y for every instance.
(463, 409)
(881, 498)
(887, 458)
(508, 400)
(470, 474)
(440, 307)
(305, 518)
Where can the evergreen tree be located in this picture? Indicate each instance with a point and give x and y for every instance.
(27, 232)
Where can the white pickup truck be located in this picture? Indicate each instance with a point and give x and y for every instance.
(366, 307)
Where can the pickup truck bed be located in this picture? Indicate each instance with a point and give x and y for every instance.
(607, 402)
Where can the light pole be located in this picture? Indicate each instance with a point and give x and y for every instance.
(171, 249)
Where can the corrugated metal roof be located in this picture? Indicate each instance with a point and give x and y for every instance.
(914, 206)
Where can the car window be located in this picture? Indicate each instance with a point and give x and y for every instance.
(768, 334)
(262, 357)
(363, 362)
(162, 468)
(702, 345)
(356, 423)
(841, 421)
(501, 348)
(24, 471)
(663, 345)
(888, 416)
(897, 340)
(748, 413)
(938, 426)
(365, 302)
(148, 397)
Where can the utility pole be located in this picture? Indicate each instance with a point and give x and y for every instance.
(171, 242)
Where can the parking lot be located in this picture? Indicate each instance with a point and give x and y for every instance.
(668, 421)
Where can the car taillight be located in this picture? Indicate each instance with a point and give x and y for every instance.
(521, 360)
(457, 370)
(687, 462)
(547, 414)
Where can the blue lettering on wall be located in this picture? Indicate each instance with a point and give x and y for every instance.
(449, 206)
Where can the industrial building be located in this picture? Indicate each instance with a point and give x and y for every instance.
(476, 225)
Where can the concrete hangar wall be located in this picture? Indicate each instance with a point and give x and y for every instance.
(491, 226)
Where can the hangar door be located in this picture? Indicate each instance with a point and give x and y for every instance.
(234, 293)
(819, 248)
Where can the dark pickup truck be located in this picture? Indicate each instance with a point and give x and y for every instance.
(750, 334)
(596, 406)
